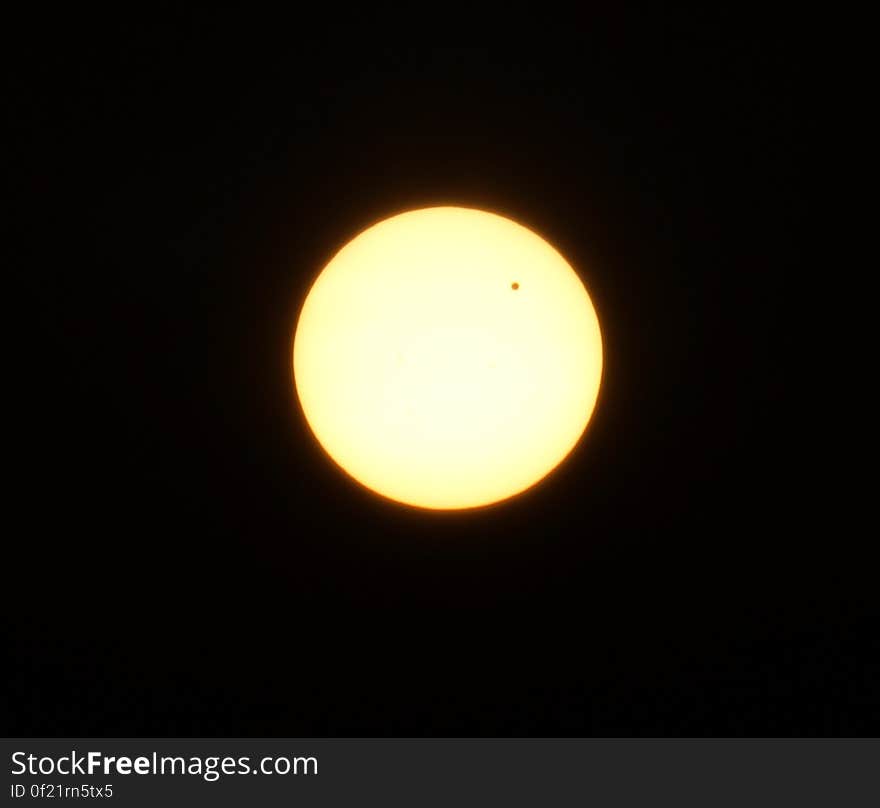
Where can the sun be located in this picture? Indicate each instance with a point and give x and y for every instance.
(447, 358)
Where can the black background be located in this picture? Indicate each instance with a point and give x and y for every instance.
(190, 563)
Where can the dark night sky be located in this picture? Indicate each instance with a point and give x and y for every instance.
(191, 564)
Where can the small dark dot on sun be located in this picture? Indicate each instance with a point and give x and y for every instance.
(514, 285)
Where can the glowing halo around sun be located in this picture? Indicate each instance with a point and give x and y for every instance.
(447, 358)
